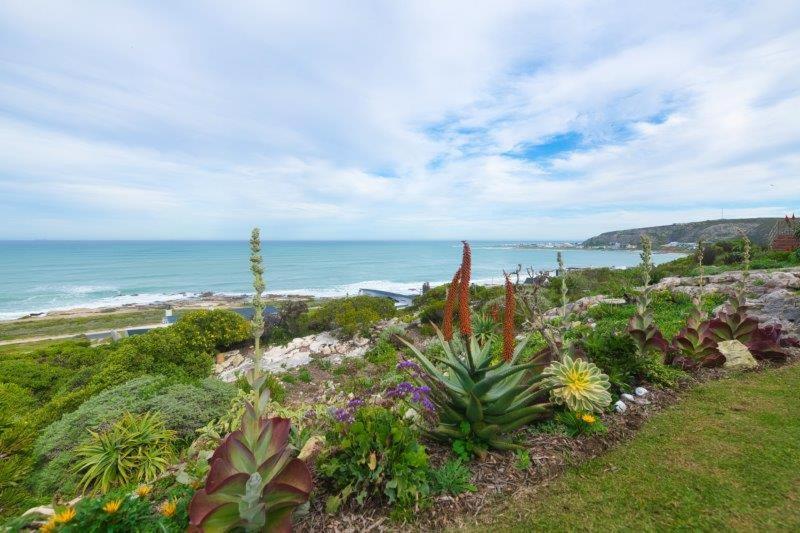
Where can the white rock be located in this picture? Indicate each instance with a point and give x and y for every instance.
(620, 406)
(627, 396)
(640, 391)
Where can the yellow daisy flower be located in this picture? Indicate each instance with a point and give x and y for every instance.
(143, 490)
(49, 526)
(64, 516)
(168, 508)
(589, 419)
(112, 506)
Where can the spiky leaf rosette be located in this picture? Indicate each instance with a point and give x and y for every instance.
(492, 398)
(578, 384)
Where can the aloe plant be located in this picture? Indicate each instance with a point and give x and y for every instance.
(471, 390)
(254, 482)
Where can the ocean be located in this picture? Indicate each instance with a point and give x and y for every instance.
(42, 276)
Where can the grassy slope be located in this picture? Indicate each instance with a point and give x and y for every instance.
(42, 327)
(726, 457)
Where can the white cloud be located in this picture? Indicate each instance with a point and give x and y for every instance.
(395, 121)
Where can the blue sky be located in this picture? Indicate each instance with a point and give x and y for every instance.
(386, 120)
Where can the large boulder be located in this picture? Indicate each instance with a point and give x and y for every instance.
(737, 356)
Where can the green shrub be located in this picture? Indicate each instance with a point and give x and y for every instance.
(383, 353)
(15, 403)
(453, 478)
(377, 455)
(136, 449)
(212, 330)
(133, 514)
(184, 408)
(353, 315)
(39, 378)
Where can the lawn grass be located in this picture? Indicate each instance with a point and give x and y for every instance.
(726, 457)
(43, 327)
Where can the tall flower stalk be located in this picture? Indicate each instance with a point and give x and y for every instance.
(449, 305)
(562, 271)
(464, 316)
(508, 321)
(641, 327)
(257, 268)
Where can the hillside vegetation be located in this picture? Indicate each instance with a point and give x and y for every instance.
(757, 229)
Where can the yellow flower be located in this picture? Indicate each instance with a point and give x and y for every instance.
(112, 506)
(589, 419)
(49, 526)
(64, 516)
(143, 490)
(168, 508)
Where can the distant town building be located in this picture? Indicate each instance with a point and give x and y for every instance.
(783, 236)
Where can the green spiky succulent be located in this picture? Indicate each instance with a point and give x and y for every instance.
(492, 398)
(580, 385)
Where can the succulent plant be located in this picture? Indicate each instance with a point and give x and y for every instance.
(472, 390)
(646, 335)
(641, 327)
(254, 482)
(692, 347)
(733, 322)
(492, 397)
(485, 327)
(766, 343)
(579, 385)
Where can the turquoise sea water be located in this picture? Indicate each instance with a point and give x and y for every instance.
(38, 276)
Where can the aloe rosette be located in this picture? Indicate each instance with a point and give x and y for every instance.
(254, 482)
(578, 384)
(492, 397)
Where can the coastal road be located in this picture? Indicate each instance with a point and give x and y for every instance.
(92, 335)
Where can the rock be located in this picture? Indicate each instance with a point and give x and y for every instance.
(236, 360)
(640, 391)
(737, 356)
(628, 397)
(620, 406)
(42, 510)
(311, 449)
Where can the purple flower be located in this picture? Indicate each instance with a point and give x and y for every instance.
(343, 415)
(402, 365)
(417, 395)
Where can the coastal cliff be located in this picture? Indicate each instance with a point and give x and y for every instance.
(757, 229)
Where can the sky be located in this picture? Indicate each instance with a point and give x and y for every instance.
(393, 120)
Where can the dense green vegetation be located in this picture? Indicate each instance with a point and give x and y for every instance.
(39, 386)
(47, 326)
(726, 457)
(727, 255)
